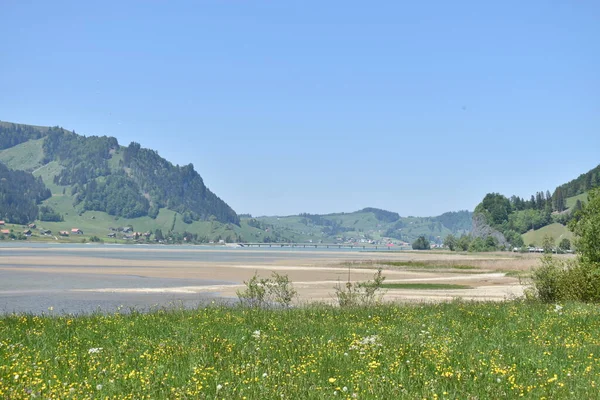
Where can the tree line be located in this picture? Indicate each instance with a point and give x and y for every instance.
(20, 194)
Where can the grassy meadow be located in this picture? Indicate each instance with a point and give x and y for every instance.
(434, 351)
(555, 231)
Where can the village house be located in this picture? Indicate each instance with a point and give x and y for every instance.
(112, 235)
(76, 231)
(31, 226)
(27, 232)
(2, 222)
(5, 231)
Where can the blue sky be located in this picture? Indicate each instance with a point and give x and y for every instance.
(322, 106)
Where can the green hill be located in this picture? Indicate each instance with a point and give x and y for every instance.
(556, 231)
(96, 184)
(571, 201)
(369, 225)
(514, 219)
(25, 156)
(102, 188)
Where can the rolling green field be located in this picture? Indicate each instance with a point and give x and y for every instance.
(556, 231)
(572, 200)
(434, 351)
(26, 156)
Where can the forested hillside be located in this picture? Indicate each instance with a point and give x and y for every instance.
(130, 182)
(180, 189)
(97, 185)
(14, 134)
(515, 216)
(20, 194)
(581, 184)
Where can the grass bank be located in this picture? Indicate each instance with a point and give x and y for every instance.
(428, 286)
(454, 350)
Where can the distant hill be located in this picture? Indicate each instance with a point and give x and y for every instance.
(94, 184)
(83, 175)
(366, 225)
(529, 220)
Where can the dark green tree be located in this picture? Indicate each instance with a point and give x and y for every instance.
(421, 243)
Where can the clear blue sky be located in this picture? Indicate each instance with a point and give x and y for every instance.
(321, 106)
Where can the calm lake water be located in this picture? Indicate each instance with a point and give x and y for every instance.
(36, 292)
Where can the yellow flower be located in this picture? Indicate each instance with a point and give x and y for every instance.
(331, 380)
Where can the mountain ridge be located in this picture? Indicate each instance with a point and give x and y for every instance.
(97, 185)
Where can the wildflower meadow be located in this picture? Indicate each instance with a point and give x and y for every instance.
(433, 351)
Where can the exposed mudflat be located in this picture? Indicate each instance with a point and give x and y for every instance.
(84, 278)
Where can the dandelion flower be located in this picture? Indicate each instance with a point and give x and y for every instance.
(98, 387)
(219, 387)
(256, 334)
(332, 380)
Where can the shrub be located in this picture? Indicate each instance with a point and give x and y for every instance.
(562, 280)
(557, 280)
(264, 292)
(565, 244)
(360, 293)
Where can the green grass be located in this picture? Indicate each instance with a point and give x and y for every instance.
(428, 286)
(516, 273)
(425, 265)
(556, 230)
(26, 156)
(454, 350)
(572, 200)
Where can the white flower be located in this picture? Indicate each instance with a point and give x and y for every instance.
(498, 380)
(557, 307)
(219, 387)
(16, 377)
(345, 354)
(345, 389)
(335, 393)
(256, 334)
(95, 350)
(264, 375)
(98, 387)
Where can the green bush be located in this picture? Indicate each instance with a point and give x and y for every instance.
(559, 280)
(264, 292)
(360, 293)
(421, 244)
